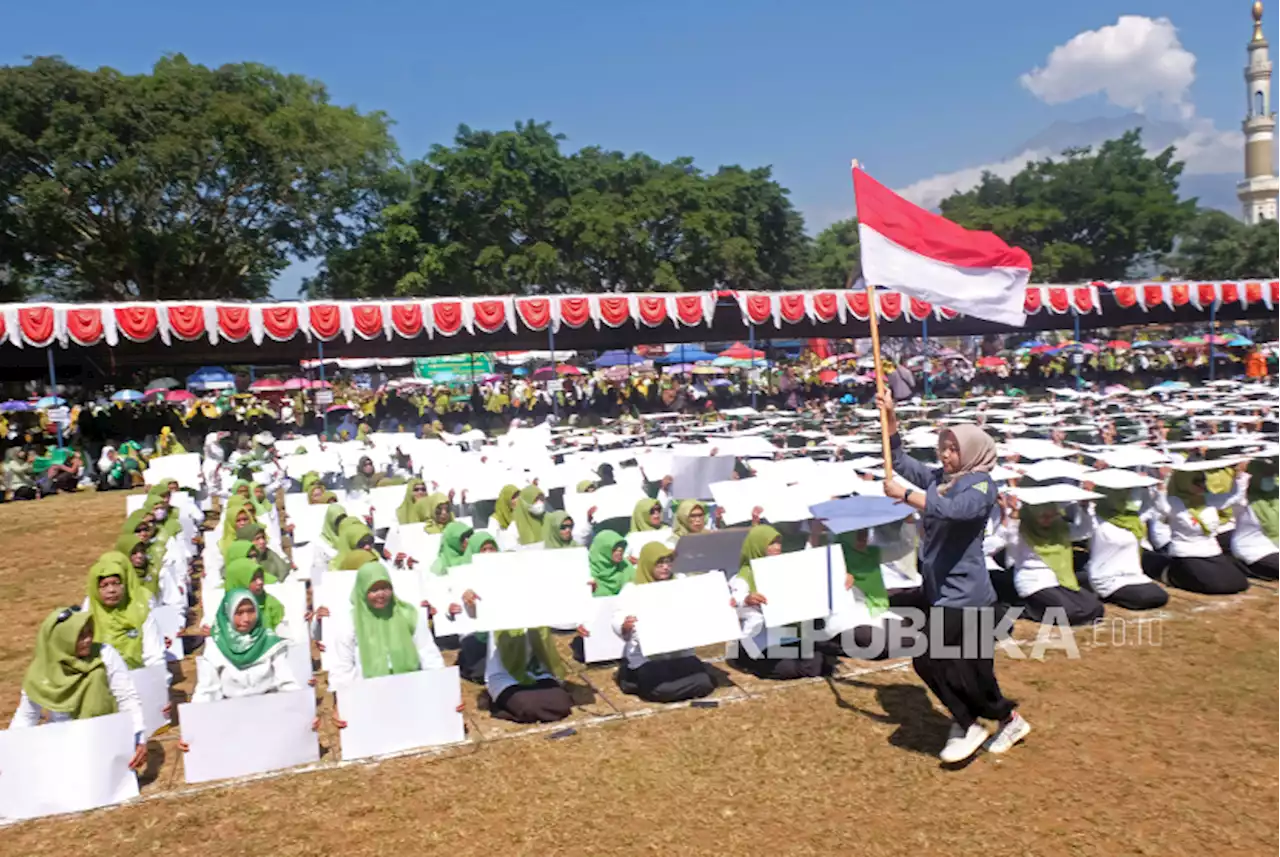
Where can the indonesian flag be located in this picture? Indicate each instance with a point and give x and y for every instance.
(927, 256)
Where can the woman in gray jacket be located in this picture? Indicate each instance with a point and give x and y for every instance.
(954, 505)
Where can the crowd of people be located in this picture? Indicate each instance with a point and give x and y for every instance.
(1058, 507)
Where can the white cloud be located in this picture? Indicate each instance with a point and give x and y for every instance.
(928, 192)
(1135, 62)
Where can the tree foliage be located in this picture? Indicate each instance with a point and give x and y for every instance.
(1087, 215)
(834, 256)
(187, 182)
(508, 211)
(1216, 246)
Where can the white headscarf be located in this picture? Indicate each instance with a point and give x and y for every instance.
(104, 460)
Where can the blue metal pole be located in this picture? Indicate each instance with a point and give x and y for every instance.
(1075, 315)
(551, 346)
(53, 390)
(924, 329)
(1213, 331)
(324, 415)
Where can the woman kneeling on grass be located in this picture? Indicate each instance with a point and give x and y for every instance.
(671, 677)
(954, 505)
(73, 678)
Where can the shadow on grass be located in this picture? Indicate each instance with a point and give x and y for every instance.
(921, 729)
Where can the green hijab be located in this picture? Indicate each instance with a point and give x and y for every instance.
(640, 516)
(649, 556)
(756, 546)
(478, 539)
(1265, 504)
(272, 563)
(404, 512)
(609, 576)
(350, 533)
(426, 512)
(525, 650)
(528, 526)
(59, 681)
(683, 511)
(1051, 543)
(329, 529)
(309, 478)
(260, 507)
(239, 549)
(234, 505)
(384, 637)
(239, 574)
(119, 626)
(585, 486)
(864, 565)
(242, 650)
(502, 511)
(551, 537)
(1113, 507)
(451, 550)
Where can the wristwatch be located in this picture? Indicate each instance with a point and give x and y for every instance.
(906, 498)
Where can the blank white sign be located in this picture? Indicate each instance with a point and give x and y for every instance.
(152, 684)
(529, 589)
(401, 712)
(222, 746)
(66, 767)
(684, 613)
(602, 644)
(795, 586)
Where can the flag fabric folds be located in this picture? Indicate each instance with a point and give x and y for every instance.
(927, 256)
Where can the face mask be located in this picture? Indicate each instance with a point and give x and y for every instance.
(537, 509)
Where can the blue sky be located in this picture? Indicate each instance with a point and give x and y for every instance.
(913, 89)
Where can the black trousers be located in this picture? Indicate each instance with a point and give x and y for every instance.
(1209, 575)
(1139, 596)
(785, 669)
(966, 686)
(667, 680)
(1266, 568)
(472, 654)
(545, 701)
(1081, 606)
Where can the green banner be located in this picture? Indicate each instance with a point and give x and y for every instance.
(454, 367)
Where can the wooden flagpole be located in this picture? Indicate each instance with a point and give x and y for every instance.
(875, 352)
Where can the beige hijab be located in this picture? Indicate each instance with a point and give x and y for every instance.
(977, 451)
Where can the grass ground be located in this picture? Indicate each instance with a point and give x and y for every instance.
(1165, 749)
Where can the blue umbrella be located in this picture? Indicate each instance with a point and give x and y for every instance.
(520, 371)
(51, 402)
(686, 354)
(211, 378)
(617, 357)
(15, 405)
(1239, 341)
(127, 396)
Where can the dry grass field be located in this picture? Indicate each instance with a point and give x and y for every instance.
(1165, 749)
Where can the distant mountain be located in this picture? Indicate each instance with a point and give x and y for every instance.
(1062, 135)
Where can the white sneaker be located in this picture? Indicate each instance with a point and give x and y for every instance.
(1013, 731)
(961, 743)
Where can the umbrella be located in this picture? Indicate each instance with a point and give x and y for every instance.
(297, 384)
(617, 357)
(1190, 340)
(738, 351)
(992, 362)
(1041, 349)
(616, 373)
(826, 376)
(1239, 341)
(686, 354)
(51, 402)
(1152, 344)
(732, 363)
(267, 385)
(1030, 343)
(127, 396)
(179, 396)
(546, 372)
(679, 368)
(163, 384)
(210, 378)
(1118, 345)
(333, 408)
(707, 370)
(1216, 339)
(15, 405)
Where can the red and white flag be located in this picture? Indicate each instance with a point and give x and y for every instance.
(926, 256)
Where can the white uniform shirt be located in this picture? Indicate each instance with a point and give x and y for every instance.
(1115, 557)
(118, 679)
(1030, 573)
(346, 666)
(217, 678)
(1248, 541)
(1188, 538)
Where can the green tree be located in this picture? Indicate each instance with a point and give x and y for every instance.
(508, 212)
(834, 255)
(1087, 215)
(187, 182)
(1217, 246)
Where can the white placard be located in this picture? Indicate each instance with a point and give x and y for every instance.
(795, 586)
(184, 469)
(684, 613)
(414, 541)
(528, 589)
(152, 685)
(637, 541)
(133, 502)
(602, 644)
(612, 501)
(401, 712)
(35, 765)
(691, 477)
(307, 520)
(1116, 479)
(222, 747)
(385, 502)
(440, 592)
